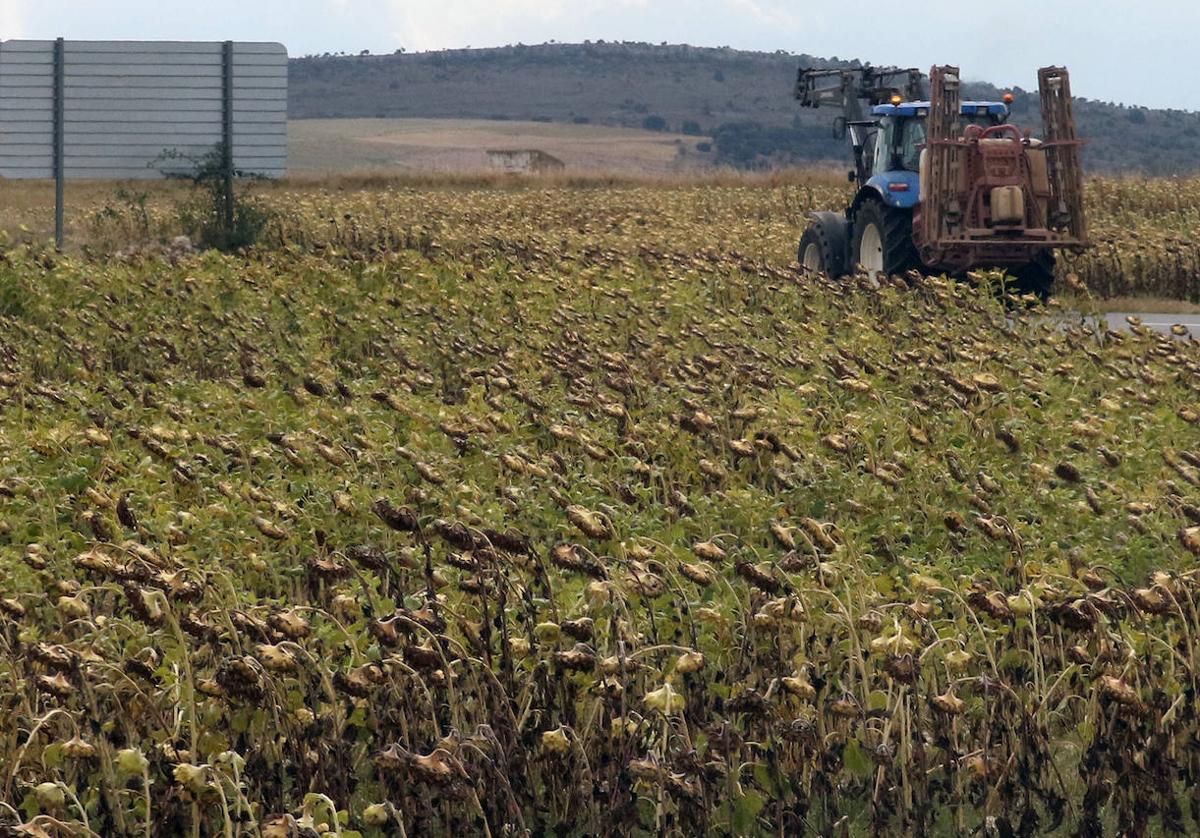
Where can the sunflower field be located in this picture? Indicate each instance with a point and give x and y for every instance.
(587, 512)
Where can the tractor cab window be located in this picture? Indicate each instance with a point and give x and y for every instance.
(900, 145)
(885, 140)
(871, 145)
(912, 139)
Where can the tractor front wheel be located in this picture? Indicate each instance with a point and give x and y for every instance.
(883, 239)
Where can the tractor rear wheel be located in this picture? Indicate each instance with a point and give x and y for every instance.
(1036, 278)
(883, 240)
(823, 245)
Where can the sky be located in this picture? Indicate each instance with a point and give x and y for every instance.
(1129, 51)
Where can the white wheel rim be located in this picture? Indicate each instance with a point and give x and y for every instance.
(870, 250)
(812, 257)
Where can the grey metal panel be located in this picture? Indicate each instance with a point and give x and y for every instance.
(149, 134)
(40, 81)
(26, 167)
(31, 142)
(145, 151)
(135, 85)
(24, 132)
(152, 162)
(240, 48)
(98, 110)
(128, 102)
(27, 93)
(153, 165)
(250, 64)
(157, 67)
(84, 109)
(147, 126)
(207, 92)
(74, 173)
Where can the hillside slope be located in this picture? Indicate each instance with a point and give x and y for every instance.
(676, 88)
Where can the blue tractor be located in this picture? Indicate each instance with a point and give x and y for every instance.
(945, 185)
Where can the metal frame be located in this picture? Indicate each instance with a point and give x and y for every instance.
(953, 225)
(940, 210)
(227, 130)
(1062, 155)
(59, 137)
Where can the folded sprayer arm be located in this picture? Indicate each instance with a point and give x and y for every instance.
(994, 196)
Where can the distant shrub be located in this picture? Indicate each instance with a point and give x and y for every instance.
(581, 120)
(718, 76)
(704, 147)
(692, 128)
(654, 122)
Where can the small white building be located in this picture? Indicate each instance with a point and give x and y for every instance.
(523, 161)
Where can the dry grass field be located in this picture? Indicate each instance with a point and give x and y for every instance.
(340, 146)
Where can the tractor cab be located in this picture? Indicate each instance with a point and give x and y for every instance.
(893, 153)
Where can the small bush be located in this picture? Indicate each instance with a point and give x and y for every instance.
(201, 223)
(654, 122)
(205, 218)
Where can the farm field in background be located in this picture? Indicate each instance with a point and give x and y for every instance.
(341, 146)
(494, 506)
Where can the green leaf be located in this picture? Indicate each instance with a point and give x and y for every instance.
(856, 760)
(239, 722)
(766, 779)
(52, 755)
(745, 811)
(74, 481)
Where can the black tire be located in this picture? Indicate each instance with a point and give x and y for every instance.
(1036, 278)
(895, 232)
(824, 243)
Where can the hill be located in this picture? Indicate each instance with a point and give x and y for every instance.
(741, 99)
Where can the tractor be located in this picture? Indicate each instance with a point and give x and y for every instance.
(945, 185)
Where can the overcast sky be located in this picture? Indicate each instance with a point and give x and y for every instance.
(1131, 51)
